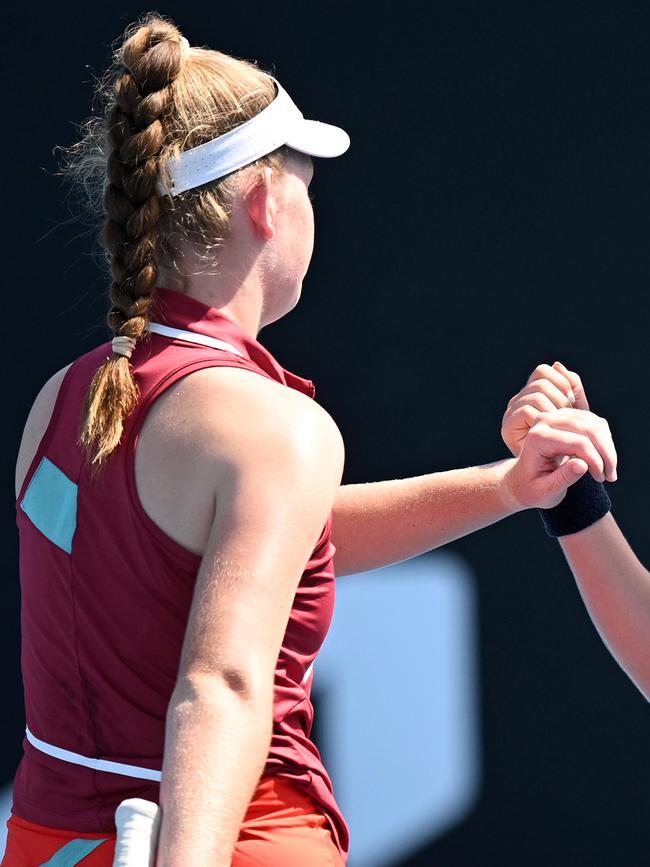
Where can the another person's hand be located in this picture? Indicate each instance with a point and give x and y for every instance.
(549, 427)
(560, 447)
(548, 388)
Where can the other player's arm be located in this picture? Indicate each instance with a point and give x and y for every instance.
(614, 585)
(278, 462)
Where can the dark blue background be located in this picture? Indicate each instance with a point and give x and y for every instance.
(492, 213)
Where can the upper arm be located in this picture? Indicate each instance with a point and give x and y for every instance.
(278, 461)
(36, 425)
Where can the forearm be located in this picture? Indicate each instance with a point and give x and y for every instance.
(379, 523)
(217, 742)
(615, 588)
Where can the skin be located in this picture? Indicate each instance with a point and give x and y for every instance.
(216, 483)
(613, 583)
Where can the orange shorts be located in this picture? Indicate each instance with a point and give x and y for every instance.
(282, 827)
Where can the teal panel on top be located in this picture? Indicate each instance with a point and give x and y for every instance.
(73, 853)
(50, 503)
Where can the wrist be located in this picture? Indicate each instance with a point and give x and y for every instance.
(507, 486)
(585, 502)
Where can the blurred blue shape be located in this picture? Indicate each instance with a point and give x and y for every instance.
(399, 723)
(5, 812)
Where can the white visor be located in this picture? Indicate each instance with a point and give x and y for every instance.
(280, 123)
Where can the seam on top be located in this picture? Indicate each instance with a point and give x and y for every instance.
(85, 687)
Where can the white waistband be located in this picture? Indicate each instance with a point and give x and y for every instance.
(93, 764)
(193, 337)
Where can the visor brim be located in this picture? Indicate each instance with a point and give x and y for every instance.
(319, 139)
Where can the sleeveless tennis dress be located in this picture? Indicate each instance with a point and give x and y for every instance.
(106, 597)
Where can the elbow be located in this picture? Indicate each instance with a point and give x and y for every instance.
(230, 684)
(238, 682)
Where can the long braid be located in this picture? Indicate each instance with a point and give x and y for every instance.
(135, 132)
(162, 97)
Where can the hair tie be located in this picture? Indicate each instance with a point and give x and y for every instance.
(185, 46)
(123, 345)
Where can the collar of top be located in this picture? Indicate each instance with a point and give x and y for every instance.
(176, 310)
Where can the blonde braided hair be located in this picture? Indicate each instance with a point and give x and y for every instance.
(161, 97)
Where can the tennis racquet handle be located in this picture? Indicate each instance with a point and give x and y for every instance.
(137, 824)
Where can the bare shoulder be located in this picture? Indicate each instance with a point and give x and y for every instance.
(228, 410)
(221, 433)
(36, 424)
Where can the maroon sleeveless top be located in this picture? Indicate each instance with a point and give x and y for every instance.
(106, 596)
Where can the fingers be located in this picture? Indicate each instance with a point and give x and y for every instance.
(573, 469)
(555, 443)
(579, 434)
(544, 395)
(562, 478)
(566, 381)
(540, 395)
(596, 428)
(576, 385)
(524, 415)
(554, 376)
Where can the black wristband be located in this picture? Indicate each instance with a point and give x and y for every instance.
(586, 502)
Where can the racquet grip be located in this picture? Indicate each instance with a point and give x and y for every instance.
(137, 824)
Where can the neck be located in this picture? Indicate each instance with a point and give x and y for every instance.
(236, 295)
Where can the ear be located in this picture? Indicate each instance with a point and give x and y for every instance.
(261, 204)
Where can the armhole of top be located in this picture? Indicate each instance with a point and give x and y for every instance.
(48, 432)
(171, 545)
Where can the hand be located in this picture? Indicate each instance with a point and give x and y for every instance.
(559, 448)
(548, 388)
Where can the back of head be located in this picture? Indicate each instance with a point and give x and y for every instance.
(161, 97)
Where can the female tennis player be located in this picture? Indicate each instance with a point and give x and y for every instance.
(178, 492)
(614, 585)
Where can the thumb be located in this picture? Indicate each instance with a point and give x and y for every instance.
(565, 475)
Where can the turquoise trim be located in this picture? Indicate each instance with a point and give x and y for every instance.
(50, 503)
(73, 853)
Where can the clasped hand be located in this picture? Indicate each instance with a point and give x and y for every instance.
(554, 437)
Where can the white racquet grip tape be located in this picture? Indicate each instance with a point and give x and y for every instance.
(137, 824)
